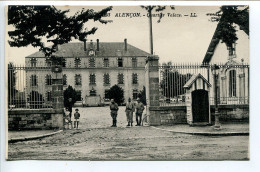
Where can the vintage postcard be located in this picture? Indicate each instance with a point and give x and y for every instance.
(127, 82)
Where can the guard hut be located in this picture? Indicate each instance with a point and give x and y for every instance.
(197, 100)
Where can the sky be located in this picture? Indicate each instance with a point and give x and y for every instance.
(176, 39)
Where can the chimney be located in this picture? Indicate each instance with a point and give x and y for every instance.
(125, 44)
(85, 45)
(97, 44)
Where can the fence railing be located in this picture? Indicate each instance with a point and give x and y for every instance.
(29, 87)
(232, 83)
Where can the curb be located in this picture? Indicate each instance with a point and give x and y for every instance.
(207, 133)
(21, 139)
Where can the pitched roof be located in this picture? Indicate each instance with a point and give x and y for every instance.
(213, 44)
(76, 49)
(192, 80)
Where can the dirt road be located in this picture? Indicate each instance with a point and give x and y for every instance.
(95, 140)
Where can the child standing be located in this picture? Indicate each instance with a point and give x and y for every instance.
(76, 118)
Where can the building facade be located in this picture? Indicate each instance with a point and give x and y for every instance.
(233, 77)
(91, 68)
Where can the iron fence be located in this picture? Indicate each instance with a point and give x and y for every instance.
(29, 87)
(232, 83)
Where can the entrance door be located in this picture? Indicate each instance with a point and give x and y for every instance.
(200, 106)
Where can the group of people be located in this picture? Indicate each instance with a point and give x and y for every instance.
(68, 114)
(130, 109)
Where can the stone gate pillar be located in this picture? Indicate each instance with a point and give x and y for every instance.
(57, 96)
(152, 88)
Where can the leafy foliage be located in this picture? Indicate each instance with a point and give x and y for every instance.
(34, 25)
(116, 93)
(70, 92)
(227, 16)
(172, 81)
(142, 96)
(36, 100)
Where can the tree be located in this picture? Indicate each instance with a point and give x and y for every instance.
(36, 24)
(142, 96)
(227, 16)
(11, 82)
(116, 93)
(70, 92)
(36, 100)
(172, 81)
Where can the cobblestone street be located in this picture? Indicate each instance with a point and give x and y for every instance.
(96, 140)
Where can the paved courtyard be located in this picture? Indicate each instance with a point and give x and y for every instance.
(96, 140)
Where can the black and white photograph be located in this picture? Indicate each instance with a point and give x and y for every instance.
(127, 83)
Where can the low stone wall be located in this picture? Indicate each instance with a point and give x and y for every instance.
(34, 119)
(178, 114)
(169, 115)
(232, 113)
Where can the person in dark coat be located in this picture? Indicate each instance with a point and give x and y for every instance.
(129, 112)
(76, 119)
(113, 109)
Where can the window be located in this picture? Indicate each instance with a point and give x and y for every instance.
(92, 79)
(135, 94)
(134, 78)
(120, 78)
(77, 79)
(64, 79)
(78, 95)
(106, 79)
(120, 62)
(64, 62)
(48, 62)
(134, 62)
(33, 62)
(91, 62)
(106, 62)
(92, 92)
(48, 96)
(33, 80)
(77, 62)
(232, 83)
(106, 94)
(48, 80)
(232, 49)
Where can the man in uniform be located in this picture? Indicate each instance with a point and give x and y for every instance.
(129, 112)
(114, 109)
(139, 111)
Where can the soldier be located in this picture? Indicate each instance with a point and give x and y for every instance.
(129, 112)
(114, 109)
(139, 111)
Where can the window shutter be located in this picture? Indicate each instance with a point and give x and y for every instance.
(80, 80)
(75, 78)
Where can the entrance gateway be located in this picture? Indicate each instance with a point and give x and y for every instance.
(197, 100)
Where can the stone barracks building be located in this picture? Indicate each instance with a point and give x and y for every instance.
(91, 68)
